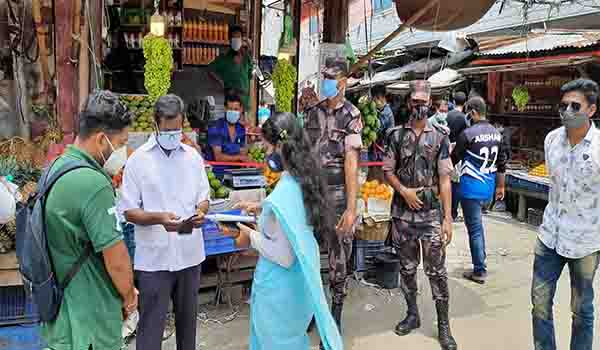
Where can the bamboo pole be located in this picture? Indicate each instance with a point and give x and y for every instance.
(64, 12)
(41, 33)
(404, 26)
(84, 65)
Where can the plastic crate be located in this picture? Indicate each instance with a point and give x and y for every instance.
(16, 307)
(21, 337)
(535, 216)
(363, 254)
(519, 183)
(214, 241)
(219, 246)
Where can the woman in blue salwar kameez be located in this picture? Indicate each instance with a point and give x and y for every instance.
(287, 290)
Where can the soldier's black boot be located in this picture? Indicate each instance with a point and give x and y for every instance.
(336, 312)
(412, 320)
(444, 334)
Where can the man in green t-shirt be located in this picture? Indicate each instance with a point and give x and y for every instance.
(80, 210)
(233, 69)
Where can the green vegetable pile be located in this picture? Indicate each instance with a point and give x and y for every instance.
(520, 95)
(284, 79)
(370, 120)
(159, 65)
(257, 154)
(217, 190)
(143, 109)
(22, 173)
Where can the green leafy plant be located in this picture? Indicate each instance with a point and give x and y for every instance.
(520, 95)
(20, 172)
(159, 65)
(284, 79)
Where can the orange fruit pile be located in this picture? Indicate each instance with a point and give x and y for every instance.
(374, 189)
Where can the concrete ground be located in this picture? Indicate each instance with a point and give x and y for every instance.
(493, 316)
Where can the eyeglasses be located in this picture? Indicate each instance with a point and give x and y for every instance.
(575, 106)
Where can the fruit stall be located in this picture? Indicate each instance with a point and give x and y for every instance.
(521, 77)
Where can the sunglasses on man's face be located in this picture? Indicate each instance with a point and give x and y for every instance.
(575, 106)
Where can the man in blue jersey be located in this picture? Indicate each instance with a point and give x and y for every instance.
(480, 149)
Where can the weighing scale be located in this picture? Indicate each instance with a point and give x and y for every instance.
(247, 178)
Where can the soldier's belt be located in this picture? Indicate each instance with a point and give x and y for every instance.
(428, 196)
(335, 176)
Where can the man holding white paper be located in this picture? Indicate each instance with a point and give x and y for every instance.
(165, 194)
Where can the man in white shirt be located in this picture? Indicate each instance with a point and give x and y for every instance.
(570, 232)
(164, 183)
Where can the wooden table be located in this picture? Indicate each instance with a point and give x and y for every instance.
(524, 193)
(9, 270)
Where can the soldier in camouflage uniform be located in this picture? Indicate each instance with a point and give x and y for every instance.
(334, 127)
(417, 164)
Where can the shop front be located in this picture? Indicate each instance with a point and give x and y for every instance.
(521, 83)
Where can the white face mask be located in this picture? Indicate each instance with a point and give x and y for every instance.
(170, 140)
(116, 161)
(236, 44)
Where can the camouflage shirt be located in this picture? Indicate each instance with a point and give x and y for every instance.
(334, 132)
(417, 161)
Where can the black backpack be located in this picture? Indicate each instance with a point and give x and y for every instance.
(35, 262)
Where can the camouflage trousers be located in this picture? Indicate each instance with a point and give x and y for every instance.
(338, 261)
(411, 240)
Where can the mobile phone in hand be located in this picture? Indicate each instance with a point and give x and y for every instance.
(187, 226)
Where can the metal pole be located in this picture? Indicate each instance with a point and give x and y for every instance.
(409, 22)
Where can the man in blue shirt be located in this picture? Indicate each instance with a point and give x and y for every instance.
(386, 120)
(482, 171)
(227, 136)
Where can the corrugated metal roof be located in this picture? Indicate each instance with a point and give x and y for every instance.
(511, 16)
(507, 45)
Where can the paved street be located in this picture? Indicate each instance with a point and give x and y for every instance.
(493, 316)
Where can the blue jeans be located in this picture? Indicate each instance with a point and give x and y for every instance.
(129, 239)
(455, 199)
(472, 213)
(547, 268)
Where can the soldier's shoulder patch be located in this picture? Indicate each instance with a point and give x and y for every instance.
(355, 125)
(351, 109)
(393, 130)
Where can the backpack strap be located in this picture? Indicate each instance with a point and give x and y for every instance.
(87, 252)
(48, 181)
(45, 186)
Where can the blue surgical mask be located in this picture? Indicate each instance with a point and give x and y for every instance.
(329, 88)
(232, 116)
(263, 115)
(169, 140)
(274, 162)
(264, 112)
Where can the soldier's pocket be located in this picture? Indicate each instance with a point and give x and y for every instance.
(313, 129)
(336, 141)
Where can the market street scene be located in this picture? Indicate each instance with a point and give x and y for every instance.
(299, 174)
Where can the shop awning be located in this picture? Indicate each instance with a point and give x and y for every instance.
(517, 64)
(436, 88)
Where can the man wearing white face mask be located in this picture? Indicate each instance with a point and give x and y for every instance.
(233, 69)
(164, 183)
(80, 215)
